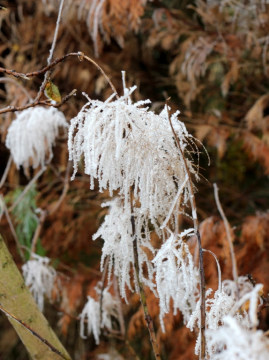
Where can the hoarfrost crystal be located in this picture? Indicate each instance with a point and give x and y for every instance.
(39, 276)
(116, 231)
(228, 302)
(32, 134)
(176, 276)
(127, 146)
(233, 341)
(91, 313)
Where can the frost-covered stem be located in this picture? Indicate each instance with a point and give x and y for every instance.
(56, 32)
(119, 306)
(27, 188)
(49, 60)
(142, 294)
(6, 171)
(102, 289)
(198, 236)
(228, 233)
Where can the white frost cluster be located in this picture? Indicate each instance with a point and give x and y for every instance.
(131, 151)
(176, 277)
(32, 134)
(116, 231)
(90, 317)
(233, 341)
(39, 276)
(127, 146)
(228, 302)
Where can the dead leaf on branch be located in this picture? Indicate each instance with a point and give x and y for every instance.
(257, 149)
(257, 117)
(216, 136)
(230, 78)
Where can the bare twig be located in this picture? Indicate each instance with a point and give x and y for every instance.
(218, 267)
(147, 316)
(198, 236)
(38, 102)
(6, 171)
(14, 73)
(45, 213)
(81, 56)
(33, 332)
(27, 188)
(228, 233)
(22, 88)
(65, 190)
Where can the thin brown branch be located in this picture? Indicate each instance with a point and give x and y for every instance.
(65, 190)
(38, 102)
(6, 171)
(27, 188)
(45, 213)
(198, 236)
(22, 88)
(14, 73)
(33, 332)
(46, 70)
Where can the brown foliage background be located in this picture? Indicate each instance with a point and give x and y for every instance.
(212, 60)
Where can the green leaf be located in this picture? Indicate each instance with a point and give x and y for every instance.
(52, 92)
(25, 217)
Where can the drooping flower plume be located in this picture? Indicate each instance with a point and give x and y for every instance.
(116, 231)
(126, 146)
(174, 262)
(91, 314)
(39, 276)
(32, 134)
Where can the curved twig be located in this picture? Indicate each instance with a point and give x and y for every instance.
(80, 55)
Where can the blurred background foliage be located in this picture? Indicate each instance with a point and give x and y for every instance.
(211, 57)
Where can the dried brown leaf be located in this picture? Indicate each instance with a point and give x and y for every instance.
(257, 149)
(256, 118)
